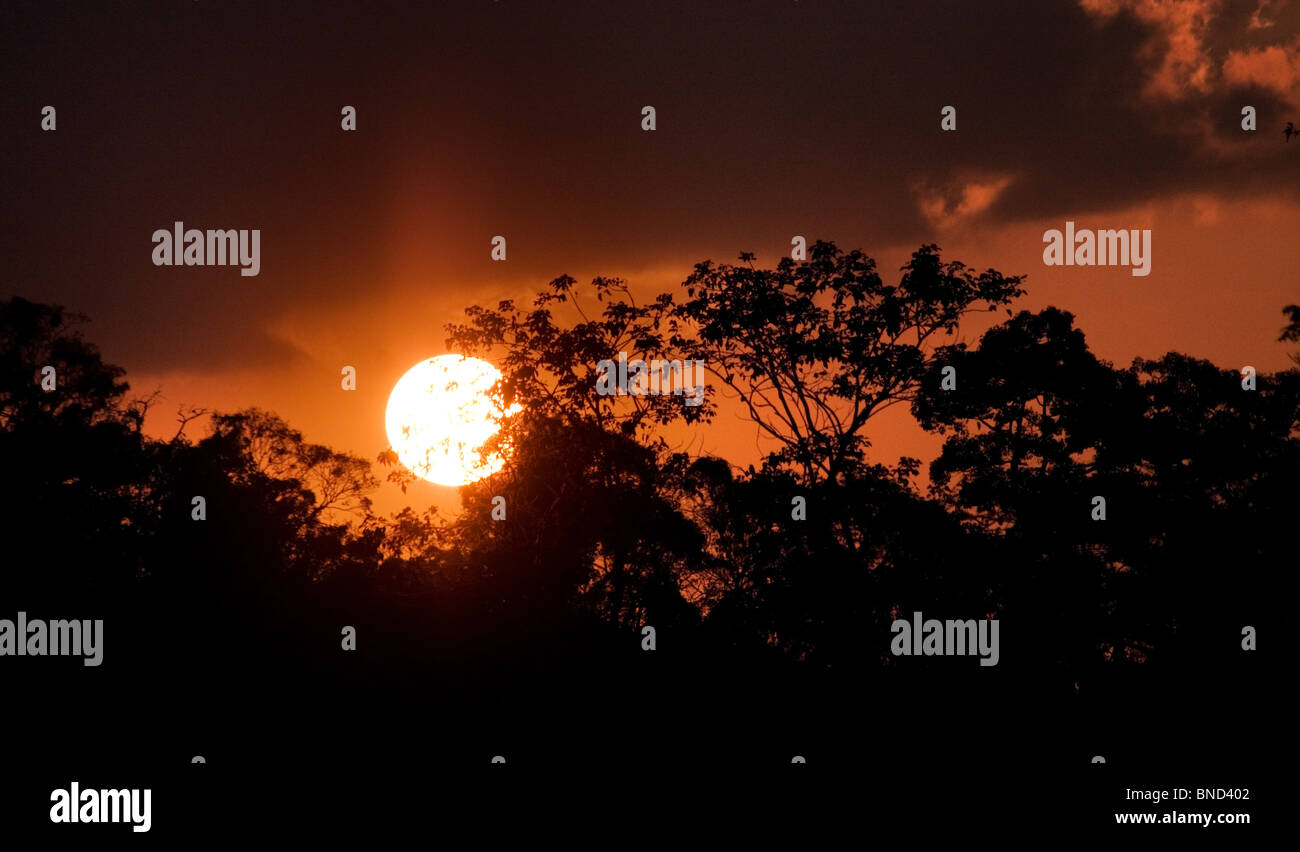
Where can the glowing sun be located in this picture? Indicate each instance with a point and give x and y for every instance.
(440, 413)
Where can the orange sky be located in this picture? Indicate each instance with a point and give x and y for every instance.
(1243, 247)
(816, 119)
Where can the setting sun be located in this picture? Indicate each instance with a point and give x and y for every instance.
(439, 415)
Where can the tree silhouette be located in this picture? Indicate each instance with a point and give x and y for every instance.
(582, 465)
(1183, 457)
(608, 528)
(73, 456)
(816, 348)
(1291, 332)
(338, 483)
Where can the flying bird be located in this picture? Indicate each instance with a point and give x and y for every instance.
(1290, 131)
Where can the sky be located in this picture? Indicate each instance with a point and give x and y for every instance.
(774, 119)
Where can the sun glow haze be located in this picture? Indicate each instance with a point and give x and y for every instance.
(440, 413)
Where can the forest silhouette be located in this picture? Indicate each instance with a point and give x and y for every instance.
(478, 636)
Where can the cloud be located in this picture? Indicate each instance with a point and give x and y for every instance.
(1178, 41)
(960, 201)
(1274, 67)
(1257, 19)
(1195, 47)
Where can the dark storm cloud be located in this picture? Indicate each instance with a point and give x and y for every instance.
(523, 119)
(1110, 140)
